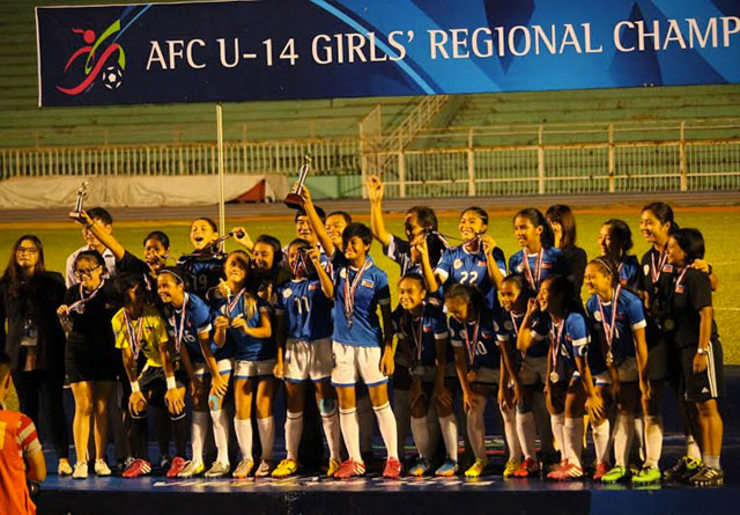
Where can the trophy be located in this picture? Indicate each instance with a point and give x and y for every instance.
(76, 213)
(294, 199)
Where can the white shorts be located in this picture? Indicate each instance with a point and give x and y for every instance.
(533, 371)
(248, 369)
(308, 360)
(627, 371)
(224, 368)
(352, 363)
(486, 375)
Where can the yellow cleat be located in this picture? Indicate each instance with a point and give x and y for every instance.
(477, 469)
(511, 466)
(333, 467)
(285, 468)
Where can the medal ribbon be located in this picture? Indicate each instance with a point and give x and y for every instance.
(677, 282)
(655, 272)
(231, 304)
(471, 346)
(83, 300)
(350, 291)
(179, 331)
(555, 342)
(418, 338)
(516, 332)
(134, 339)
(609, 330)
(534, 282)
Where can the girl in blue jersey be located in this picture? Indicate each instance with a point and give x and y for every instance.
(477, 360)
(189, 324)
(615, 242)
(205, 265)
(304, 331)
(570, 389)
(423, 336)
(538, 258)
(618, 320)
(242, 324)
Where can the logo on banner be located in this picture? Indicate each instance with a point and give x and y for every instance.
(99, 57)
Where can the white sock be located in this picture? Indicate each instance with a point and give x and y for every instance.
(557, 422)
(243, 430)
(388, 430)
(350, 432)
(330, 423)
(711, 461)
(601, 435)
(477, 433)
(640, 436)
(448, 427)
(266, 428)
(512, 439)
(420, 432)
(293, 431)
(623, 431)
(692, 448)
(403, 416)
(573, 435)
(198, 434)
(653, 440)
(220, 420)
(366, 424)
(527, 433)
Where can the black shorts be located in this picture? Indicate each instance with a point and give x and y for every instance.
(706, 385)
(657, 368)
(85, 362)
(153, 384)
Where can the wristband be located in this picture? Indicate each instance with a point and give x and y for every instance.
(135, 387)
(171, 384)
(701, 352)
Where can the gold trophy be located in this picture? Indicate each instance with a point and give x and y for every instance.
(294, 199)
(76, 213)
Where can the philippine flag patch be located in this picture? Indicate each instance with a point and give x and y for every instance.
(367, 284)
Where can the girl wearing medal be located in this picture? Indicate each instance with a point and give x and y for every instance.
(139, 330)
(617, 316)
(92, 361)
(204, 266)
(615, 241)
(693, 334)
(570, 391)
(243, 325)
(477, 360)
(189, 323)
(538, 258)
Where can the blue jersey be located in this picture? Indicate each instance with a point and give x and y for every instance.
(629, 273)
(543, 264)
(458, 265)
(306, 309)
(204, 272)
(418, 336)
(185, 327)
(245, 347)
(363, 327)
(630, 316)
(570, 339)
(507, 331)
(485, 347)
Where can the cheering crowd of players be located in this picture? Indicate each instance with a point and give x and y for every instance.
(226, 330)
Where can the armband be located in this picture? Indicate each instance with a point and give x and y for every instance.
(135, 387)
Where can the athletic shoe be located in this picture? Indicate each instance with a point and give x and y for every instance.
(527, 468)
(567, 471)
(138, 468)
(80, 470)
(333, 467)
(511, 466)
(646, 476)
(101, 468)
(243, 469)
(218, 469)
(192, 469)
(684, 468)
(421, 468)
(64, 468)
(176, 466)
(392, 468)
(477, 469)
(602, 468)
(707, 476)
(350, 468)
(614, 475)
(448, 469)
(263, 470)
(556, 470)
(285, 468)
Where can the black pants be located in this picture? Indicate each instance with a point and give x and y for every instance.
(44, 387)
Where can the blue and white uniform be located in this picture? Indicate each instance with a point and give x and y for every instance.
(458, 265)
(203, 271)
(417, 340)
(570, 339)
(481, 347)
(629, 273)
(307, 311)
(357, 335)
(532, 364)
(538, 266)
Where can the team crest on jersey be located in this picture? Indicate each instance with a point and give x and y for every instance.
(313, 287)
(508, 325)
(646, 269)
(287, 292)
(427, 329)
(482, 263)
(520, 267)
(367, 284)
(457, 264)
(597, 316)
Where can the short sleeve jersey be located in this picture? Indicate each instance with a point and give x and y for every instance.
(458, 265)
(149, 329)
(306, 310)
(418, 336)
(629, 273)
(690, 293)
(204, 271)
(362, 329)
(630, 317)
(574, 339)
(543, 264)
(239, 344)
(507, 331)
(194, 321)
(18, 439)
(485, 349)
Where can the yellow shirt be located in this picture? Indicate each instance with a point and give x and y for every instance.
(153, 333)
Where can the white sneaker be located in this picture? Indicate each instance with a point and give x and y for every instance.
(101, 468)
(80, 470)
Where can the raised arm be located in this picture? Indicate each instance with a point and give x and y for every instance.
(316, 224)
(375, 191)
(105, 237)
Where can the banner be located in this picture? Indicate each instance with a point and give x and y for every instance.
(297, 49)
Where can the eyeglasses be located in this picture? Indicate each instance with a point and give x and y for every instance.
(26, 250)
(86, 273)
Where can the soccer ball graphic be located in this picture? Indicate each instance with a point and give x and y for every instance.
(112, 77)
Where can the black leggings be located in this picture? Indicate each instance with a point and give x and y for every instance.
(46, 386)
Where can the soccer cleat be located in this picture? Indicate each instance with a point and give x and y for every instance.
(684, 468)
(392, 468)
(101, 468)
(333, 467)
(218, 469)
(614, 475)
(511, 466)
(476, 470)
(646, 476)
(527, 468)
(192, 469)
(601, 469)
(285, 468)
(243, 469)
(421, 468)
(448, 469)
(350, 468)
(64, 468)
(176, 466)
(263, 470)
(80, 470)
(137, 468)
(707, 476)
(566, 472)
